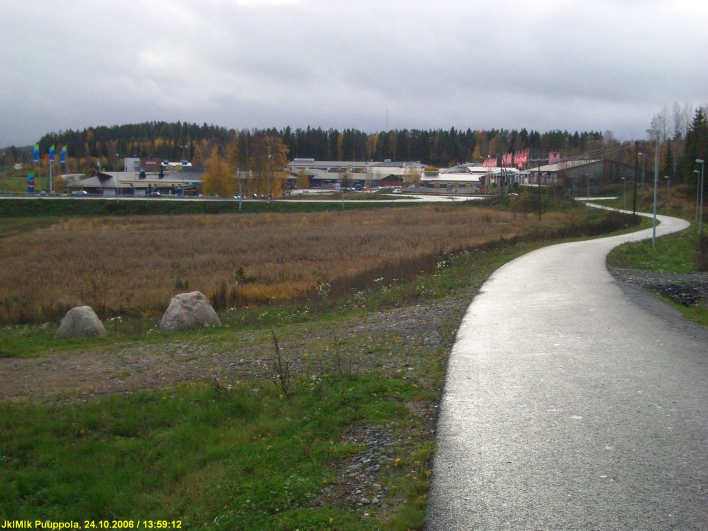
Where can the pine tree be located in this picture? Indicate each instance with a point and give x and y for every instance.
(696, 145)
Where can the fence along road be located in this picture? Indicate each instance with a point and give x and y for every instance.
(573, 403)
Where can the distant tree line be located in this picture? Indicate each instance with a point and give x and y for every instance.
(683, 138)
(435, 147)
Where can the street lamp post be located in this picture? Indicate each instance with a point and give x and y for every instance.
(698, 190)
(268, 178)
(700, 216)
(655, 132)
(668, 184)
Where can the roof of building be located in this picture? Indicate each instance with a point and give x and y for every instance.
(450, 178)
(126, 178)
(336, 164)
(552, 168)
(329, 164)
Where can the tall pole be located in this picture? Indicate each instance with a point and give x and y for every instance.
(698, 190)
(642, 155)
(624, 193)
(655, 132)
(501, 179)
(268, 178)
(700, 217)
(636, 170)
(668, 183)
(539, 189)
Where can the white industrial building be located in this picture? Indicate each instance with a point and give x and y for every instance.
(141, 183)
(323, 173)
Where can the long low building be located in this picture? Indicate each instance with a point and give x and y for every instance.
(467, 176)
(371, 173)
(140, 183)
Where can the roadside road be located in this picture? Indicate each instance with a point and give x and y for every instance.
(572, 403)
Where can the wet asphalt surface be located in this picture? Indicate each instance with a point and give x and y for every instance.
(573, 402)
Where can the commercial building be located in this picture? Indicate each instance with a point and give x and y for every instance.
(326, 174)
(141, 183)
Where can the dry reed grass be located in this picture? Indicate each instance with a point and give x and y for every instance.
(137, 264)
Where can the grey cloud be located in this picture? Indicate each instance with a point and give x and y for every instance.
(542, 65)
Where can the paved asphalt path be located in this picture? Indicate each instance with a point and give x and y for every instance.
(572, 402)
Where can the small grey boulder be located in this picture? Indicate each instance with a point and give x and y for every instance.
(81, 321)
(187, 311)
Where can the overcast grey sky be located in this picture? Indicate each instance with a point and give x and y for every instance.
(540, 64)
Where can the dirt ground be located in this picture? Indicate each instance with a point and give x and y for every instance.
(247, 357)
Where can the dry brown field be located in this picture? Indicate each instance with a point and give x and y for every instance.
(138, 263)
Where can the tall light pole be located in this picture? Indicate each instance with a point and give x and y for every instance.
(268, 177)
(700, 216)
(668, 183)
(655, 132)
(698, 190)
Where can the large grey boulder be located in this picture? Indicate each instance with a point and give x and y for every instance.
(187, 311)
(81, 321)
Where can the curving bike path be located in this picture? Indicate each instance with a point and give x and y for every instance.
(572, 403)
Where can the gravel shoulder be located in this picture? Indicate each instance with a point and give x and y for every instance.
(687, 289)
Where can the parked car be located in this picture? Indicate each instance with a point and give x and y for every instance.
(396, 191)
(154, 194)
(79, 193)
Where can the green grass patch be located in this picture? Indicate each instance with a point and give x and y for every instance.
(229, 458)
(674, 253)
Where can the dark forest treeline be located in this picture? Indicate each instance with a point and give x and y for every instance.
(683, 138)
(436, 147)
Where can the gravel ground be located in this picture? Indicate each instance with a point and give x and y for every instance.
(247, 356)
(687, 289)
